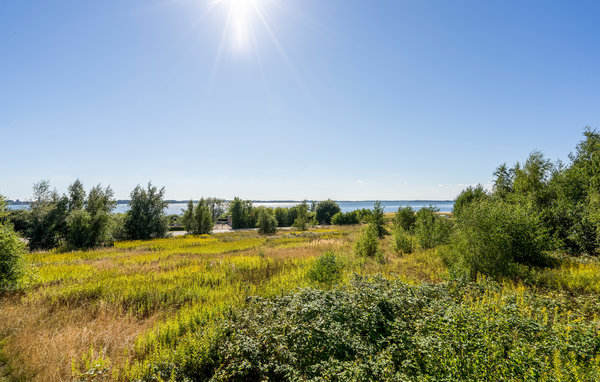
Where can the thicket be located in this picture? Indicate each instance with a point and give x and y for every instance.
(402, 242)
(327, 269)
(379, 330)
(345, 218)
(146, 218)
(266, 222)
(325, 210)
(198, 220)
(432, 229)
(405, 218)
(12, 264)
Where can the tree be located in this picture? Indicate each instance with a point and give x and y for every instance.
(236, 209)
(468, 196)
(325, 210)
(302, 216)
(146, 217)
(267, 224)
(367, 244)
(76, 195)
(432, 230)
(49, 211)
(12, 264)
(405, 218)
(203, 219)
(377, 220)
(189, 223)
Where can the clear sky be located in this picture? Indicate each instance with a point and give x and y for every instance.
(290, 99)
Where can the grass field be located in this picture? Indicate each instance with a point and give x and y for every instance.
(140, 309)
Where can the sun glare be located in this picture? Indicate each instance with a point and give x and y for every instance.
(241, 16)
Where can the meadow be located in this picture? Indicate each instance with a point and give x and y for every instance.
(241, 306)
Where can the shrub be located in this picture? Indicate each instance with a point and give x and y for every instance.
(377, 220)
(146, 218)
(347, 218)
(203, 223)
(494, 235)
(267, 224)
(432, 230)
(468, 196)
(325, 210)
(12, 264)
(405, 218)
(367, 244)
(401, 241)
(327, 269)
(301, 220)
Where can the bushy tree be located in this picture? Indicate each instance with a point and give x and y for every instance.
(146, 217)
(401, 241)
(377, 220)
(347, 218)
(432, 230)
(49, 211)
(468, 196)
(242, 213)
(203, 223)
(266, 222)
(89, 220)
(367, 244)
(188, 221)
(76, 195)
(301, 220)
(405, 218)
(12, 264)
(325, 210)
(493, 235)
(327, 269)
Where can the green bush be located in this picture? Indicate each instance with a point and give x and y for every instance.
(432, 230)
(367, 244)
(379, 330)
(146, 217)
(302, 218)
(401, 241)
(494, 235)
(267, 224)
(325, 210)
(468, 196)
(327, 269)
(12, 264)
(405, 218)
(347, 218)
(377, 220)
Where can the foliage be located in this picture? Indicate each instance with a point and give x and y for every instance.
(432, 230)
(20, 220)
(242, 214)
(494, 235)
(327, 269)
(301, 221)
(267, 224)
(49, 211)
(401, 241)
(203, 219)
(367, 244)
(405, 218)
(467, 196)
(11, 254)
(325, 210)
(146, 217)
(346, 218)
(188, 221)
(388, 331)
(377, 220)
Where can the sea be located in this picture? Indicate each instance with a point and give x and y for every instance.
(346, 206)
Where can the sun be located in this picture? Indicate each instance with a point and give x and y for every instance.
(242, 15)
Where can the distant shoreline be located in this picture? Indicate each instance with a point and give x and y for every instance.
(19, 202)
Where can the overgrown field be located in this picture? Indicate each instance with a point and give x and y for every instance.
(240, 306)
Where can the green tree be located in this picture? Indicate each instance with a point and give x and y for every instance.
(49, 211)
(367, 244)
(325, 210)
(203, 219)
(405, 218)
(432, 230)
(301, 220)
(237, 211)
(267, 224)
(189, 223)
(12, 264)
(146, 217)
(467, 196)
(76, 196)
(377, 220)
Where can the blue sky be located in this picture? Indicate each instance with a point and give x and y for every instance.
(291, 99)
